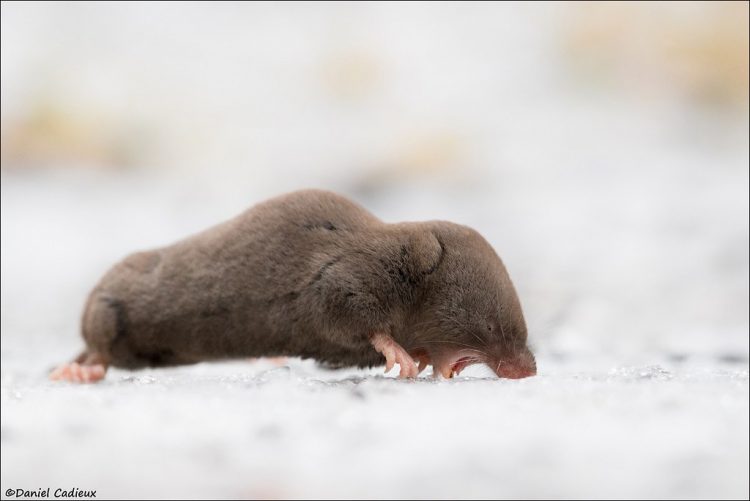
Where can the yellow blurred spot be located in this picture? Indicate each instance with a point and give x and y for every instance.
(49, 135)
(430, 153)
(695, 50)
(351, 75)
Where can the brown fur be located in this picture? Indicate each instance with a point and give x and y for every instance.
(308, 274)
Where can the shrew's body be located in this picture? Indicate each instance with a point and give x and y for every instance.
(314, 275)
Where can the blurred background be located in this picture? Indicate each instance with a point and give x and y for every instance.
(601, 148)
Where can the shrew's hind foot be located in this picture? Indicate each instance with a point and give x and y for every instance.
(87, 368)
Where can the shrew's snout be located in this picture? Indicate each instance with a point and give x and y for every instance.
(520, 366)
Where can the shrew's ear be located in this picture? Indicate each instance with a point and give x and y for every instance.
(425, 251)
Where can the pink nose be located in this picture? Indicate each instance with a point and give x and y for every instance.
(523, 365)
(512, 371)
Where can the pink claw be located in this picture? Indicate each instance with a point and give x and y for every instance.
(394, 354)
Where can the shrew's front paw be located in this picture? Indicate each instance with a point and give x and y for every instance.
(394, 354)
